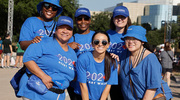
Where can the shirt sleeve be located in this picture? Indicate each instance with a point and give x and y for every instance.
(153, 73)
(71, 39)
(33, 52)
(26, 33)
(81, 70)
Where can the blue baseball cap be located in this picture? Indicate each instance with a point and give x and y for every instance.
(54, 2)
(82, 11)
(120, 10)
(137, 32)
(65, 20)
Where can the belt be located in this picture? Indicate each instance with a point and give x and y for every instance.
(55, 90)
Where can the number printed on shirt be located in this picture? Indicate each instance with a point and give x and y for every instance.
(94, 76)
(65, 60)
(116, 45)
(84, 47)
(41, 32)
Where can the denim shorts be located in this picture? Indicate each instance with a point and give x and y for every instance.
(6, 54)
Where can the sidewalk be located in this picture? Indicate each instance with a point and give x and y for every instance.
(7, 93)
(175, 88)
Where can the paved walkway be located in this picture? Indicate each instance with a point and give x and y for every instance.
(7, 93)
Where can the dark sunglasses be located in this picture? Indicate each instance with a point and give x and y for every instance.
(47, 6)
(81, 18)
(96, 42)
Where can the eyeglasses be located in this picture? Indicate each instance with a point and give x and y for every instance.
(96, 42)
(81, 18)
(47, 6)
(130, 39)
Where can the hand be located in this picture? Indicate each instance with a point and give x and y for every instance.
(37, 39)
(47, 80)
(115, 56)
(74, 45)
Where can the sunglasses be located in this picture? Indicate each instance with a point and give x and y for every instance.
(81, 18)
(47, 6)
(96, 42)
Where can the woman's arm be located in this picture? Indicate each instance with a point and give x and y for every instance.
(3, 47)
(25, 44)
(149, 94)
(34, 68)
(105, 92)
(10, 46)
(84, 91)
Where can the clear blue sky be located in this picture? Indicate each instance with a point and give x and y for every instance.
(99, 5)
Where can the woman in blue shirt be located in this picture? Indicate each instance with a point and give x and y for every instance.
(51, 59)
(80, 42)
(97, 70)
(140, 70)
(119, 23)
(34, 28)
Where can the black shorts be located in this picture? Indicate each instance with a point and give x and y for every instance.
(167, 70)
(20, 53)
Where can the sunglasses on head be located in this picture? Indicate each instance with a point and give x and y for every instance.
(96, 42)
(81, 18)
(47, 6)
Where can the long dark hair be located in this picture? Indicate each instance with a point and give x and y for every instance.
(167, 46)
(109, 61)
(113, 27)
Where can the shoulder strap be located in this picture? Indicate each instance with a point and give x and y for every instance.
(141, 56)
(131, 83)
(169, 56)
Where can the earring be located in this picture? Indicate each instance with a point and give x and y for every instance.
(41, 13)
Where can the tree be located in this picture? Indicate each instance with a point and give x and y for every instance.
(155, 37)
(100, 21)
(147, 26)
(3, 17)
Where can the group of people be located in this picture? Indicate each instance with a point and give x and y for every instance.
(89, 64)
(7, 50)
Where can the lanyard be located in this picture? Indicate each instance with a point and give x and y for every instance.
(51, 30)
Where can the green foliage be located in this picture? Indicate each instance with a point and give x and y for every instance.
(3, 16)
(100, 21)
(147, 26)
(69, 7)
(155, 37)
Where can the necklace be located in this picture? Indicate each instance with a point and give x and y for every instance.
(136, 58)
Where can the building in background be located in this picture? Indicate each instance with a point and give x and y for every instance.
(151, 11)
(155, 15)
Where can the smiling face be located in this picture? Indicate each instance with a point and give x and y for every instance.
(100, 43)
(49, 11)
(133, 44)
(120, 21)
(64, 33)
(83, 22)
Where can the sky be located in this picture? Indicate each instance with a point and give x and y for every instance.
(99, 5)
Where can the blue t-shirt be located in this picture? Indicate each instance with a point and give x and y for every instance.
(1, 44)
(146, 75)
(33, 27)
(92, 73)
(117, 45)
(84, 40)
(54, 61)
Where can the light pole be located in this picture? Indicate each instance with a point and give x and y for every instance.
(10, 18)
